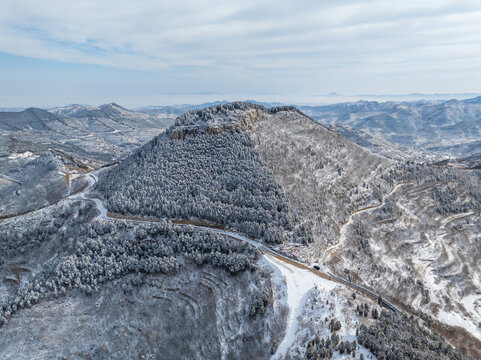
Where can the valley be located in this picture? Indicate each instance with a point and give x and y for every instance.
(44, 154)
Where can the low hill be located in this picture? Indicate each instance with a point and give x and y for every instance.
(29, 119)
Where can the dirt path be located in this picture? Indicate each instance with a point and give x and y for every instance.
(11, 179)
(455, 217)
(342, 229)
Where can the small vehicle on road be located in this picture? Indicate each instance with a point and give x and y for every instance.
(316, 267)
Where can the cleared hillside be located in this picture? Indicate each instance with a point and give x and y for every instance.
(324, 176)
(30, 181)
(409, 231)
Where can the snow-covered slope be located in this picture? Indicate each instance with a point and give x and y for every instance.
(448, 127)
(408, 231)
(150, 279)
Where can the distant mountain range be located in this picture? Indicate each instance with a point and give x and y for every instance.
(28, 119)
(100, 134)
(112, 112)
(452, 127)
(445, 128)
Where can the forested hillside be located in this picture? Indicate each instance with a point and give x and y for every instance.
(204, 168)
(108, 251)
(160, 284)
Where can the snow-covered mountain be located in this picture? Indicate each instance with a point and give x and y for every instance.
(201, 243)
(113, 117)
(81, 138)
(452, 127)
(31, 119)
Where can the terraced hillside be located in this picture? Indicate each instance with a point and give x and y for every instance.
(149, 290)
(194, 314)
(409, 231)
(421, 245)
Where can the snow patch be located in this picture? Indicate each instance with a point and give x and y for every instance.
(24, 155)
(299, 282)
(455, 319)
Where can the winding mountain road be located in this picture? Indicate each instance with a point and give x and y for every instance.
(455, 217)
(300, 278)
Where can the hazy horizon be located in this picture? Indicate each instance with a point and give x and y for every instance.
(170, 100)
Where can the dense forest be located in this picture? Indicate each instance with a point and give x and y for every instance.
(398, 336)
(216, 178)
(106, 251)
(19, 236)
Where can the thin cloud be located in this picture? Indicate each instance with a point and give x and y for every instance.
(307, 42)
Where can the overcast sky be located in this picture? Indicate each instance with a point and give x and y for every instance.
(158, 52)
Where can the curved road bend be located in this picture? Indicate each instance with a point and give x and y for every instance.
(103, 214)
(358, 211)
